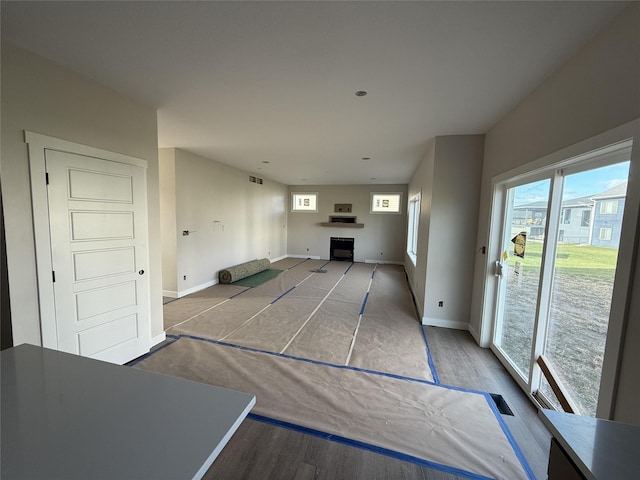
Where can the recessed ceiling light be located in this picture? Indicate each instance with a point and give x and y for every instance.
(265, 161)
(360, 93)
(303, 179)
(373, 178)
(366, 158)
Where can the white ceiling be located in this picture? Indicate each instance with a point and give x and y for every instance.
(250, 82)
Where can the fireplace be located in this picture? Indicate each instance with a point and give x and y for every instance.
(341, 249)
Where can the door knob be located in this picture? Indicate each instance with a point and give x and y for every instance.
(141, 272)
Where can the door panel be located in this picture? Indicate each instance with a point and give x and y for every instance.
(97, 214)
(526, 214)
(557, 275)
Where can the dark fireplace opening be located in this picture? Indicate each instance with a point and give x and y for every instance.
(341, 249)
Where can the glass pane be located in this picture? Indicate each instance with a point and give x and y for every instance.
(584, 271)
(523, 243)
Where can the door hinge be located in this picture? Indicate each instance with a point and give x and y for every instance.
(53, 275)
(46, 177)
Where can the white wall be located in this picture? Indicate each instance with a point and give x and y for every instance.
(449, 179)
(382, 239)
(41, 96)
(230, 220)
(594, 92)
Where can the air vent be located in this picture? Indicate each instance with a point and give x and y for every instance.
(257, 180)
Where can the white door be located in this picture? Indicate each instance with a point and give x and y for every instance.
(98, 231)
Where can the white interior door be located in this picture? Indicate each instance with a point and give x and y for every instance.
(98, 232)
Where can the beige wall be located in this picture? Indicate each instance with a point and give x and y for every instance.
(422, 183)
(449, 181)
(382, 239)
(230, 220)
(167, 173)
(41, 96)
(594, 92)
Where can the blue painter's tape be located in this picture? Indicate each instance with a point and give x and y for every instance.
(373, 273)
(507, 433)
(136, 361)
(364, 303)
(487, 397)
(366, 446)
(308, 360)
(432, 365)
(347, 270)
(283, 295)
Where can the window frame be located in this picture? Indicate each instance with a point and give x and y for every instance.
(604, 207)
(316, 195)
(390, 212)
(413, 226)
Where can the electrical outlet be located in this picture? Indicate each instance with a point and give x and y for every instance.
(307, 249)
(441, 303)
(184, 277)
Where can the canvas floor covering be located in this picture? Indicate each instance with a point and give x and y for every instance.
(341, 353)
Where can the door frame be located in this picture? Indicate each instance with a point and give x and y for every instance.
(36, 144)
(627, 253)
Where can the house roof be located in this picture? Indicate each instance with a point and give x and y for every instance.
(617, 191)
(269, 87)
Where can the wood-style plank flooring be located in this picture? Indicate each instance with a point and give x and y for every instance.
(263, 451)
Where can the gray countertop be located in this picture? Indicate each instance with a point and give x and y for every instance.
(601, 449)
(69, 417)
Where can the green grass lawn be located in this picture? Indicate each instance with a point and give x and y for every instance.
(582, 259)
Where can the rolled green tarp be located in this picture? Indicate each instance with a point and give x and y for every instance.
(244, 270)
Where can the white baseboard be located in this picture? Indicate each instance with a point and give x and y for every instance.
(197, 288)
(474, 333)
(170, 293)
(439, 322)
(277, 259)
(158, 339)
(312, 257)
(384, 262)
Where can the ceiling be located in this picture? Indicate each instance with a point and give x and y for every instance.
(246, 83)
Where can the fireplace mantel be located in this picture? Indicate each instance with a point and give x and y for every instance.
(342, 221)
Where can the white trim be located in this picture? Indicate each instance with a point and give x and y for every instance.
(53, 143)
(439, 322)
(36, 145)
(170, 293)
(197, 288)
(292, 206)
(277, 259)
(158, 339)
(310, 257)
(391, 212)
(474, 333)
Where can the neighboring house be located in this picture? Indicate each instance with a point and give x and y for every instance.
(607, 218)
(591, 220)
(575, 221)
(531, 219)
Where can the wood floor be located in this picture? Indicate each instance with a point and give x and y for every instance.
(262, 451)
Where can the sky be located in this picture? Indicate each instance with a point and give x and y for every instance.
(577, 185)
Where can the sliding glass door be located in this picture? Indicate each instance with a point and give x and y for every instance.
(560, 236)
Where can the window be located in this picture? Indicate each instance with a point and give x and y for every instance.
(412, 229)
(386, 202)
(605, 234)
(566, 216)
(586, 218)
(609, 206)
(304, 202)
